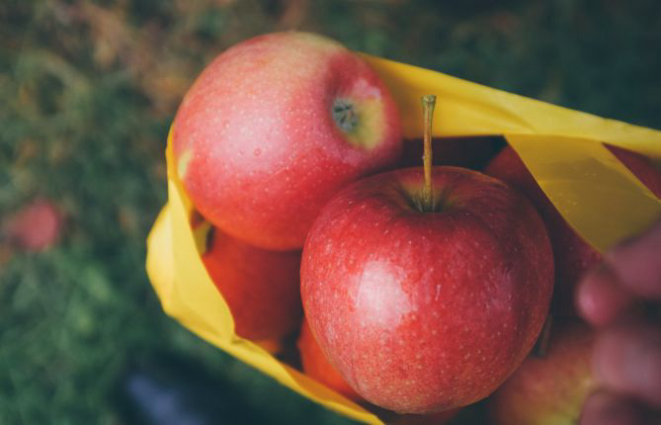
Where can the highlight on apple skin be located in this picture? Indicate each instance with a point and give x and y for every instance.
(552, 389)
(261, 287)
(274, 127)
(427, 311)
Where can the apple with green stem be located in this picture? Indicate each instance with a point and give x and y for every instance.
(426, 288)
(261, 287)
(549, 390)
(274, 127)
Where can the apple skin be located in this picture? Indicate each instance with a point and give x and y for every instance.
(258, 147)
(425, 312)
(573, 256)
(549, 390)
(261, 287)
(318, 367)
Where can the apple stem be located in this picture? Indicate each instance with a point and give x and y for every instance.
(542, 345)
(428, 103)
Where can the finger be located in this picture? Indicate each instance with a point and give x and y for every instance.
(638, 263)
(601, 298)
(627, 359)
(609, 409)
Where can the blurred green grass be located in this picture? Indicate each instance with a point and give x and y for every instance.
(88, 90)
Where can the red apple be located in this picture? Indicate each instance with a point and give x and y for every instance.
(426, 311)
(549, 390)
(573, 256)
(274, 127)
(261, 287)
(317, 366)
(36, 227)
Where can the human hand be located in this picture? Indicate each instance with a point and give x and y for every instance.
(627, 352)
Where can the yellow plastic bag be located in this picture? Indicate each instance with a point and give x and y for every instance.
(562, 148)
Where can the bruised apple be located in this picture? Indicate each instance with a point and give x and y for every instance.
(423, 311)
(274, 127)
(261, 287)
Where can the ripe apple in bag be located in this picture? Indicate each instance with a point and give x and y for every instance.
(427, 310)
(274, 127)
(261, 287)
(552, 389)
(317, 366)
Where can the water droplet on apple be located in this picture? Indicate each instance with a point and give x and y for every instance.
(257, 152)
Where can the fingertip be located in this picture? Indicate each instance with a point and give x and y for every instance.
(627, 360)
(637, 263)
(608, 409)
(600, 298)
